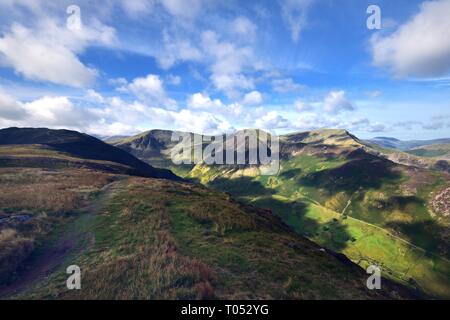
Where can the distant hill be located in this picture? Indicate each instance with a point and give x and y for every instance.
(437, 150)
(74, 144)
(394, 143)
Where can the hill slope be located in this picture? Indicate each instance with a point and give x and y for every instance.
(393, 143)
(337, 191)
(23, 146)
(143, 238)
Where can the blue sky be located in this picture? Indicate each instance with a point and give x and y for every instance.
(214, 66)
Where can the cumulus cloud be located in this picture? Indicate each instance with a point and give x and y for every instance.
(151, 89)
(312, 121)
(10, 109)
(420, 47)
(272, 120)
(177, 50)
(94, 96)
(294, 14)
(113, 116)
(433, 126)
(56, 111)
(286, 85)
(242, 26)
(137, 8)
(183, 8)
(203, 101)
(302, 106)
(48, 51)
(48, 111)
(229, 62)
(336, 101)
(253, 98)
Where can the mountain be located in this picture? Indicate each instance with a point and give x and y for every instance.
(344, 194)
(393, 143)
(152, 146)
(20, 146)
(146, 238)
(427, 154)
(437, 150)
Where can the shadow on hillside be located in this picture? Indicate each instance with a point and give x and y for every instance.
(291, 173)
(241, 187)
(333, 235)
(401, 203)
(425, 234)
(368, 173)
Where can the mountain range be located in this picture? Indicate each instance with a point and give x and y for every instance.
(138, 231)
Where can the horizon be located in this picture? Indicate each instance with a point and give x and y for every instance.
(202, 66)
(101, 137)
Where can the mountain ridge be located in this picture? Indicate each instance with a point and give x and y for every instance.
(77, 145)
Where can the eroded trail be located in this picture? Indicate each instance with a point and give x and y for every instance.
(54, 254)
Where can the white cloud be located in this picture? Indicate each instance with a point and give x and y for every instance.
(37, 60)
(177, 50)
(271, 121)
(286, 85)
(56, 111)
(48, 51)
(242, 26)
(294, 14)
(419, 47)
(173, 80)
(203, 101)
(10, 109)
(336, 101)
(137, 8)
(94, 96)
(310, 121)
(374, 94)
(302, 106)
(151, 88)
(229, 62)
(253, 98)
(183, 8)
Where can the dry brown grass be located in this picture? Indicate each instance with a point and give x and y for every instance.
(57, 191)
(45, 197)
(13, 249)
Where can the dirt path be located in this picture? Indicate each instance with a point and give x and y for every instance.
(54, 255)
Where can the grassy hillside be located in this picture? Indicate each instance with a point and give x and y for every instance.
(432, 151)
(28, 146)
(156, 239)
(337, 191)
(144, 238)
(393, 143)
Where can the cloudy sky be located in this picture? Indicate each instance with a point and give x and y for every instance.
(213, 66)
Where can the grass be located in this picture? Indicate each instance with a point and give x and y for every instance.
(156, 239)
(32, 203)
(372, 217)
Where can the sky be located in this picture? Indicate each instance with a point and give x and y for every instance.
(120, 67)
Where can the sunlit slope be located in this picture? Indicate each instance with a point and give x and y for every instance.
(343, 197)
(156, 239)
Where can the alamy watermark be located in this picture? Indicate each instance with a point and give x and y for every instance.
(246, 147)
(74, 280)
(74, 22)
(374, 281)
(374, 20)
